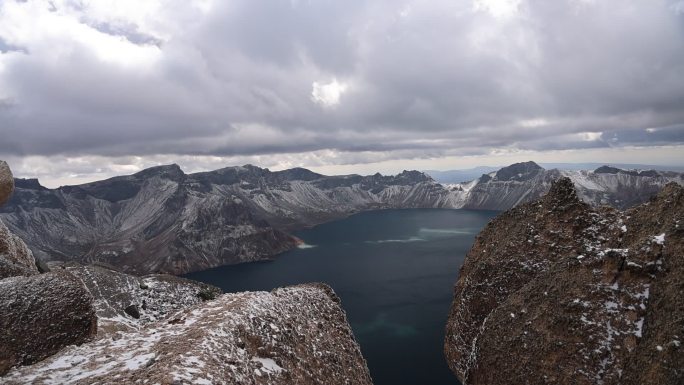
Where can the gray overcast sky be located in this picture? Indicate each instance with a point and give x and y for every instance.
(89, 89)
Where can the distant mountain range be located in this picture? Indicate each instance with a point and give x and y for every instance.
(163, 220)
(465, 175)
(524, 182)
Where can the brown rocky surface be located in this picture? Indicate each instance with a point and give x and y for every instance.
(6, 182)
(556, 291)
(41, 314)
(293, 335)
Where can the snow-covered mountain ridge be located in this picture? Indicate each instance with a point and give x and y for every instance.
(525, 182)
(163, 220)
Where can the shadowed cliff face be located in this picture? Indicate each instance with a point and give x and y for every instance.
(555, 291)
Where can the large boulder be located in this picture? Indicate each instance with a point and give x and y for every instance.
(6, 182)
(293, 335)
(41, 314)
(555, 291)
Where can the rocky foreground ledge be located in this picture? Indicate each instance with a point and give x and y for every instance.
(558, 292)
(93, 325)
(293, 335)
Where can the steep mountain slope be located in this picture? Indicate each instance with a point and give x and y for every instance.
(162, 220)
(556, 291)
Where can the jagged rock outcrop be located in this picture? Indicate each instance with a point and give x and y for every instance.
(125, 302)
(41, 314)
(557, 291)
(293, 335)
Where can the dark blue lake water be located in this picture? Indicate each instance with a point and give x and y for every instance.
(394, 271)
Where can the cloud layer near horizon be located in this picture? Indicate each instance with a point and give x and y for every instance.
(350, 81)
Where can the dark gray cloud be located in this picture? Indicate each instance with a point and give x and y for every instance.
(413, 78)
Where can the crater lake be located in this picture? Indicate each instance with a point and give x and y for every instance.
(394, 271)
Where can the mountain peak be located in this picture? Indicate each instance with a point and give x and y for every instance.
(519, 171)
(29, 183)
(171, 171)
(562, 193)
(298, 173)
(414, 176)
(614, 170)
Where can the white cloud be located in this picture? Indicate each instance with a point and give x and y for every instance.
(175, 79)
(56, 30)
(590, 136)
(498, 8)
(327, 95)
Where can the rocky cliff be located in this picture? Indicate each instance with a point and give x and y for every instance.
(558, 291)
(163, 220)
(294, 335)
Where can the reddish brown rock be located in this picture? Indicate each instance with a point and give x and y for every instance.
(556, 291)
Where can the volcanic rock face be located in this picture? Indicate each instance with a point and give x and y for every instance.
(555, 291)
(41, 314)
(294, 335)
